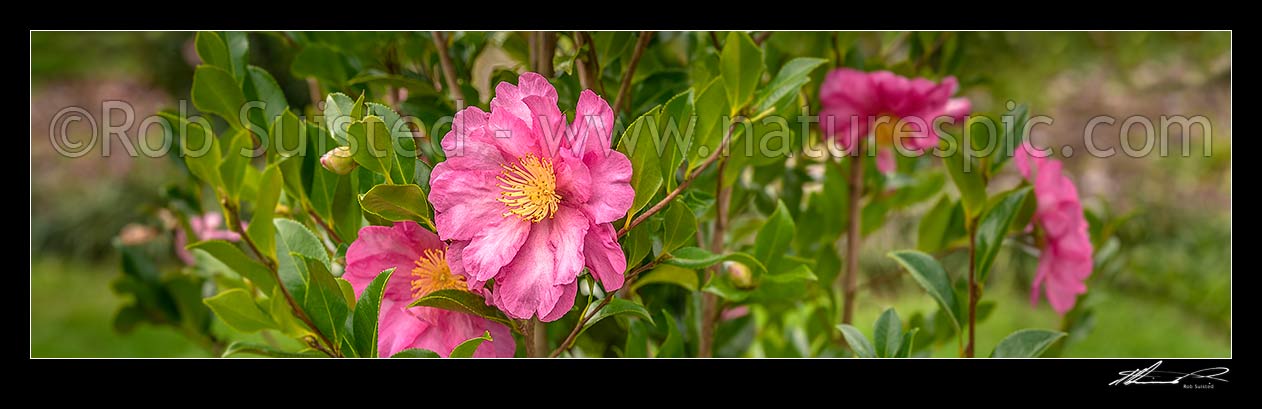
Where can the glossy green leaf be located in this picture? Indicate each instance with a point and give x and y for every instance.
(365, 318)
(994, 226)
(929, 274)
(199, 147)
(232, 256)
(857, 342)
(1026, 343)
(337, 115)
(416, 353)
(966, 173)
(933, 225)
(741, 65)
(216, 91)
(668, 274)
(460, 301)
(772, 241)
(698, 258)
(397, 203)
(321, 62)
(638, 142)
(887, 336)
(468, 348)
(370, 145)
(261, 230)
(784, 87)
(237, 309)
(680, 225)
(299, 239)
(212, 50)
(241, 347)
(673, 346)
(909, 344)
(324, 303)
(713, 119)
(616, 307)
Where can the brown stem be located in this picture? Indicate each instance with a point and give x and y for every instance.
(271, 266)
(709, 301)
(974, 291)
(545, 46)
(762, 37)
(625, 90)
(332, 234)
(853, 238)
(538, 339)
(449, 69)
(714, 40)
(727, 138)
(589, 67)
(582, 321)
(313, 87)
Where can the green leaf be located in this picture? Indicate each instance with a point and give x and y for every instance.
(348, 292)
(300, 240)
(261, 230)
(697, 258)
(858, 343)
(216, 91)
(346, 212)
(404, 145)
(933, 225)
(199, 147)
(232, 256)
(680, 225)
(675, 126)
(241, 347)
(673, 346)
(397, 203)
(321, 62)
(888, 334)
(238, 52)
(638, 142)
(742, 67)
(324, 303)
(784, 88)
(337, 115)
(212, 50)
(712, 110)
(365, 318)
(615, 307)
(967, 176)
(460, 301)
(909, 344)
(236, 160)
(370, 145)
(468, 348)
(637, 341)
(416, 353)
(932, 278)
(637, 244)
(1026, 343)
(665, 273)
(237, 309)
(260, 86)
(994, 226)
(1020, 115)
(772, 241)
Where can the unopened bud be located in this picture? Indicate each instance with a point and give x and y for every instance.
(338, 160)
(136, 234)
(740, 274)
(282, 210)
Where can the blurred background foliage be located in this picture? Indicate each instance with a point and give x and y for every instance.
(1166, 292)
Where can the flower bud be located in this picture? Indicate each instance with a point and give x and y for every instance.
(740, 275)
(338, 160)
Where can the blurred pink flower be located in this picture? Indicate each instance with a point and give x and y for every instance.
(420, 267)
(206, 227)
(1066, 259)
(853, 102)
(527, 200)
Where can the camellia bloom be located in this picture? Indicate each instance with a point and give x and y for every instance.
(420, 268)
(206, 227)
(527, 200)
(894, 108)
(1066, 258)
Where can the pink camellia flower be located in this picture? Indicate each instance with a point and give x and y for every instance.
(528, 201)
(206, 227)
(1066, 259)
(854, 102)
(420, 267)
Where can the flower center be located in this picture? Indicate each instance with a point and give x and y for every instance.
(432, 274)
(530, 189)
(887, 132)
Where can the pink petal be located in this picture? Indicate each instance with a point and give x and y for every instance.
(592, 130)
(574, 180)
(551, 256)
(377, 249)
(448, 329)
(397, 328)
(885, 160)
(547, 123)
(508, 97)
(564, 303)
(603, 256)
(611, 192)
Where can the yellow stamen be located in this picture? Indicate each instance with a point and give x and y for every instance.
(530, 189)
(432, 274)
